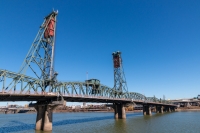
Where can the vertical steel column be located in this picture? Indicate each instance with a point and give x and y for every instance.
(15, 85)
(4, 82)
(21, 85)
(53, 48)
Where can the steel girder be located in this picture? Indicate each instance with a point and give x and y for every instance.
(13, 82)
(134, 96)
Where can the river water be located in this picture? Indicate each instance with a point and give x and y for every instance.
(175, 122)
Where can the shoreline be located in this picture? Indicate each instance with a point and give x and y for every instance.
(179, 110)
(109, 111)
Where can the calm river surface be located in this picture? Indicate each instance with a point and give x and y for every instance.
(175, 122)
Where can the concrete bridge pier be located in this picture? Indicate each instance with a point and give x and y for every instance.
(154, 109)
(146, 110)
(44, 114)
(159, 109)
(172, 109)
(167, 109)
(44, 117)
(119, 111)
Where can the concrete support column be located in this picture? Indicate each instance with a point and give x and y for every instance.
(155, 109)
(44, 117)
(115, 110)
(159, 109)
(123, 114)
(119, 111)
(172, 109)
(39, 118)
(146, 110)
(167, 109)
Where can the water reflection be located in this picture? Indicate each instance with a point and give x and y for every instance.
(120, 126)
(183, 122)
(17, 126)
(23, 126)
(37, 131)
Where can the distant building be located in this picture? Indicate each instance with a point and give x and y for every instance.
(73, 107)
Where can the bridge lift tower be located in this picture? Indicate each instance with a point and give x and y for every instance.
(40, 57)
(119, 76)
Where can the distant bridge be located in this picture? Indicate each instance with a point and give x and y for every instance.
(16, 110)
(186, 102)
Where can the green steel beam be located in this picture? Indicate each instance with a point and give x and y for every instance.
(26, 85)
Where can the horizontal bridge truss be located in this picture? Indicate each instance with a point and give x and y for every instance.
(15, 83)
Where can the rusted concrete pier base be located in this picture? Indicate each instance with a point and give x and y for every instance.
(119, 111)
(146, 110)
(159, 109)
(172, 109)
(44, 117)
(45, 114)
(167, 109)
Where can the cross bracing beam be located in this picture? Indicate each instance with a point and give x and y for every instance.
(15, 83)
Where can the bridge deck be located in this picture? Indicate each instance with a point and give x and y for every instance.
(73, 98)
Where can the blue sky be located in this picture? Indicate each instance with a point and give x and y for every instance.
(159, 41)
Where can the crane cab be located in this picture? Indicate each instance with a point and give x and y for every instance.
(95, 84)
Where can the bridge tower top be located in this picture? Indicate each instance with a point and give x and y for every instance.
(40, 57)
(119, 76)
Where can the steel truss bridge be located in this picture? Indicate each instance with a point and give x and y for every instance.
(49, 93)
(19, 87)
(40, 60)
